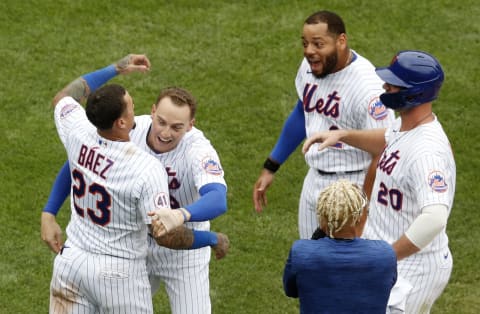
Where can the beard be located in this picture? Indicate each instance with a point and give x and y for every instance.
(328, 66)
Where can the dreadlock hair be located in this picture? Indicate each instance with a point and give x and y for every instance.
(340, 203)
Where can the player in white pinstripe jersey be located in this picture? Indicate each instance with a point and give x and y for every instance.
(196, 182)
(101, 268)
(337, 89)
(415, 177)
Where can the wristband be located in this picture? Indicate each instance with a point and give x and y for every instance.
(186, 214)
(271, 165)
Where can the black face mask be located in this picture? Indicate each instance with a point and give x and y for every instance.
(393, 100)
(399, 100)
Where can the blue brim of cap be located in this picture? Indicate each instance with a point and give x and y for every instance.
(388, 77)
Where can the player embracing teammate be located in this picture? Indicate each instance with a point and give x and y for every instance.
(196, 194)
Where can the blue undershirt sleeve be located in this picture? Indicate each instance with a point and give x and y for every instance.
(203, 239)
(98, 78)
(211, 204)
(60, 190)
(293, 133)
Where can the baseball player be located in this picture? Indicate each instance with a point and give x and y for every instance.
(101, 267)
(415, 178)
(196, 183)
(341, 263)
(197, 187)
(337, 89)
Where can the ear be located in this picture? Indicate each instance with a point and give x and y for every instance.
(342, 41)
(190, 125)
(154, 108)
(120, 123)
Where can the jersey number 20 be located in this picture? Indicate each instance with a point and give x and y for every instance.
(390, 196)
(103, 203)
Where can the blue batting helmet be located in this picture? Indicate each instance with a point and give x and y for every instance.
(419, 75)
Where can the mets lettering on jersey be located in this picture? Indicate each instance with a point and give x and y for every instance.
(388, 163)
(329, 107)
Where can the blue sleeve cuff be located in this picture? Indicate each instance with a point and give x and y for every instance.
(98, 78)
(203, 239)
(60, 190)
(293, 133)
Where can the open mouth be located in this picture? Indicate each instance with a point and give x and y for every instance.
(164, 141)
(314, 63)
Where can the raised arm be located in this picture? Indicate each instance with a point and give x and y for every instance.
(81, 87)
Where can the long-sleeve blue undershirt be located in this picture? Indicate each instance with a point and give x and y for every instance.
(212, 202)
(98, 78)
(293, 133)
(60, 190)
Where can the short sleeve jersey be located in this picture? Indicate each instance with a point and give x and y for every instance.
(114, 185)
(416, 169)
(347, 99)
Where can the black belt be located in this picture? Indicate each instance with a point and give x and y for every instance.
(329, 173)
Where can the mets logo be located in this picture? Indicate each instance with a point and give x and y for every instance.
(436, 180)
(66, 110)
(211, 166)
(162, 200)
(376, 109)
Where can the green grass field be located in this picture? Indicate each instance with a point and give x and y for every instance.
(239, 58)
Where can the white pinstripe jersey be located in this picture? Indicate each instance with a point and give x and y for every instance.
(191, 165)
(114, 185)
(347, 99)
(416, 169)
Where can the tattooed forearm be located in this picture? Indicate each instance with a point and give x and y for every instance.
(122, 64)
(78, 90)
(177, 239)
